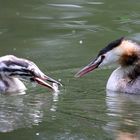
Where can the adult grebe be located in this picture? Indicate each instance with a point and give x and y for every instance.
(12, 69)
(125, 53)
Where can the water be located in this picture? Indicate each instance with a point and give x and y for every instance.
(61, 37)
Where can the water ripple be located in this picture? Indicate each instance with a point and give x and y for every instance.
(22, 111)
(66, 5)
(95, 3)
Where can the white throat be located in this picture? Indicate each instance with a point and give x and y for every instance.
(11, 85)
(118, 80)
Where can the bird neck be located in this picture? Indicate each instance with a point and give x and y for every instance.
(124, 80)
(130, 73)
(11, 84)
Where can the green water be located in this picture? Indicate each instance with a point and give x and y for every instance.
(61, 37)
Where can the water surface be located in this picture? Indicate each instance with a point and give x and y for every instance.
(61, 37)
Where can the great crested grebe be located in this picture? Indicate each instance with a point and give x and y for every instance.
(125, 53)
(12, 69)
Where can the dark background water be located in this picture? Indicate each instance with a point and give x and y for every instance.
(61, 37)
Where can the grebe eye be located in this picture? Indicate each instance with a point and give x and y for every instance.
(102, 57)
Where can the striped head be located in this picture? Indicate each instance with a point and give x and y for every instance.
(121, 51)
(12, 66)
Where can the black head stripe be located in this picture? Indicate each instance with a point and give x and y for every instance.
(111, 46)
(21, 74)
(11, 70)
(16, 62)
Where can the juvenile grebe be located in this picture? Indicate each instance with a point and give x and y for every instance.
(125, 53)
(12, 69)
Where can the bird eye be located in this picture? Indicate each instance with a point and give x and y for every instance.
(32, 71)
(102, 57)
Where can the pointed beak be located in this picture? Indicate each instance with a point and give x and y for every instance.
(42, 81)
(90, 67)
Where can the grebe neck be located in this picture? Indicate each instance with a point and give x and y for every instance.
(11, 84)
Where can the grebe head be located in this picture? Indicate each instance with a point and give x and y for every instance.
(121, 51)
(13, 67)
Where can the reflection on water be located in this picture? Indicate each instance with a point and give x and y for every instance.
(19, 111)
(60, 37)
(55, 100)
(123, 110)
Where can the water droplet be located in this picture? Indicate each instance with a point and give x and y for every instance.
(81, 41)
(37, 134)
(55, 87)
(14, 49)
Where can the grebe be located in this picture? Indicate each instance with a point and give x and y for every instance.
(125, 53)
(14, 69)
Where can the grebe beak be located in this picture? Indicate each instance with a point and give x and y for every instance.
(42, 81)
(91, 66)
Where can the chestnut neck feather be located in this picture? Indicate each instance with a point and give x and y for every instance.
(131, 61)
